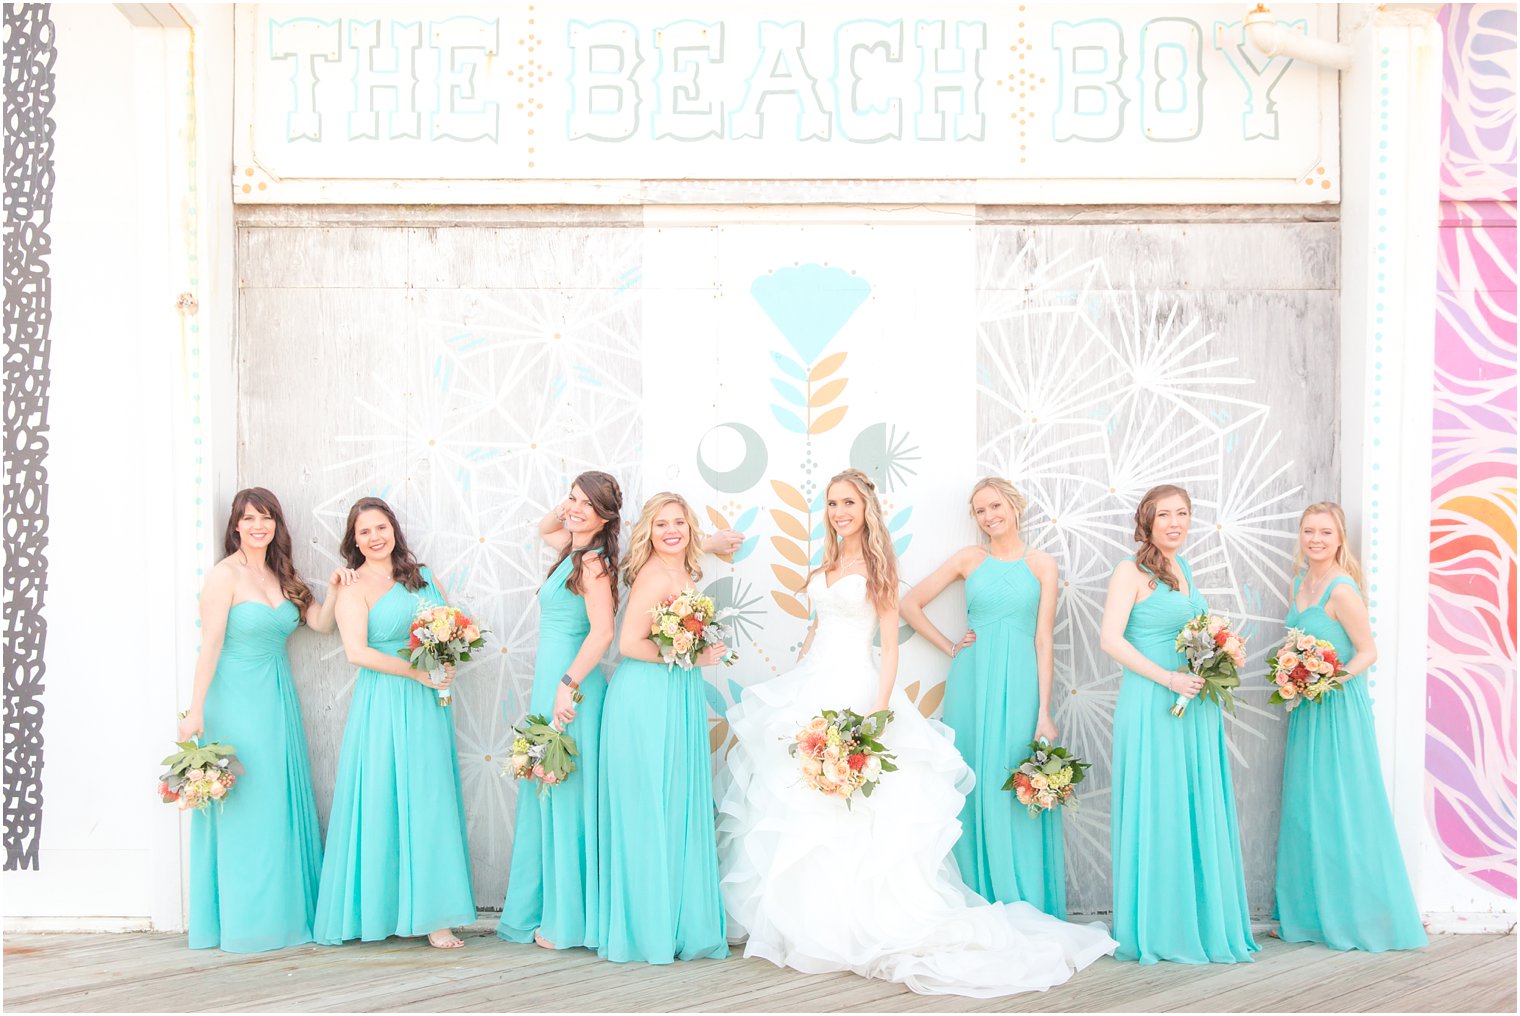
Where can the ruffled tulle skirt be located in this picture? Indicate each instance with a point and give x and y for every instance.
(873, 887)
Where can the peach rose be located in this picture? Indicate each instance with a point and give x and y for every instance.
(818, 725)
(811, 767)
(217, 791)
(1305, 643)
(1288, 690)
(682, 642)
(838, 770)
(1288, 661)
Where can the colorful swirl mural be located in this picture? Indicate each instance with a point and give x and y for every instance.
(1470, 685)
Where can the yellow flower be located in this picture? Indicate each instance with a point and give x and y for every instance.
(520, 745)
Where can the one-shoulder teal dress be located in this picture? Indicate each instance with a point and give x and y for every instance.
(552, 882)
(659, 893)
(1341, 878)
(397, 859)
(992, 702)
(1179, 882)
(256, 857)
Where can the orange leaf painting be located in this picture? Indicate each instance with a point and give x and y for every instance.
(826, 366)
(828, 421)
(790, 551)
(828, 393)
(790, 604)
(789, 525)
(790, 495)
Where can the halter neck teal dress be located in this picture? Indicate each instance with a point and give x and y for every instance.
(659, 896)
(1341, 878)
(992, 702)
(255, 859)
(398, 858)
(552, 882)
(1179, 882)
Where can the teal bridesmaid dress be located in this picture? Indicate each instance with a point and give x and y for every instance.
(1179, 883)
(659, 892)
(992, 702)
(552, 882)
(255, 859)
(397, 859)
(1341, 879)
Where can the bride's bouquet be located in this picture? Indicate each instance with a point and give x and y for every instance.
(1214, 653)
(1047, 779)
(541, 752)
(441, 635)
(1304, 668)
(841, 752)
(198, 774)
(686, 623)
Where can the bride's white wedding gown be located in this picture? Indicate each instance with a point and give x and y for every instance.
(872, 888)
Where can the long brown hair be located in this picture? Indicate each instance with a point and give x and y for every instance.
(278, 556)
(640, 543)
(1149, 556)
(606, 498)
(876, 543)
(1343, 556)
(405, 568)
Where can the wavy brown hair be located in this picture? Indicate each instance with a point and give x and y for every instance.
(641, 545)
(405, 568)
(1343, 557)
(606, 498)
(876, 543)
(1149, 556)
(279, 556)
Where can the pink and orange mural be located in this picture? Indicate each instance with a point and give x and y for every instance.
(1470, 685)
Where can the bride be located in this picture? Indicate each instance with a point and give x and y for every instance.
(873, 888)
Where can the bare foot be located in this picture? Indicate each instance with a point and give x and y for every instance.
(444, 938)
(540, 941)
(1273, 932)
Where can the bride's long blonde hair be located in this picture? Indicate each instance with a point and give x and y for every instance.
(876, 543)
(641, 546)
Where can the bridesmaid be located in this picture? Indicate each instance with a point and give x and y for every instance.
(551, 886)
(997, 698)
(1340, 877)
(397, 860)
(659, 892)
(1179, 883)
(255, 859)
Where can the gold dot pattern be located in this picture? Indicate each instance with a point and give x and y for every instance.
(1021, 83)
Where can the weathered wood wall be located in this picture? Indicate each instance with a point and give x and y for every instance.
(465, 363)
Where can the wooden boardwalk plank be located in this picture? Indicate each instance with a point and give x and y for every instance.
(137, 972)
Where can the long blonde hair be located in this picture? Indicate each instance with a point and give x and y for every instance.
(1343, 556)
(1149, 556)
(641, 545)
(879, 558)
(1016, 502)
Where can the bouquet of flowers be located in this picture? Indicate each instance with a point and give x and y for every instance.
(441, 635)
(199, 774)
(1214, 653)
(841, 752)
(1304, 668)
(685, 624)
(541, 752)
(1047, 778)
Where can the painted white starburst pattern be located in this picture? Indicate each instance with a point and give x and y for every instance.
(509, 394)
(1089, 394)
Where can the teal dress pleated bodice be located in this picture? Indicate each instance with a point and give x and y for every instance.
(992, 702)
(1179, 882)
(397, 859)
(1341, 878)
(552, 882)
(659, 893)
(255, 858)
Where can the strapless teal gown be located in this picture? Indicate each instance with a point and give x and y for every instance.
(552, 882)
(659, 892)
(1179, 882)
(992, 702)
(397, 859)
(1341, 878)
(256, 858)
